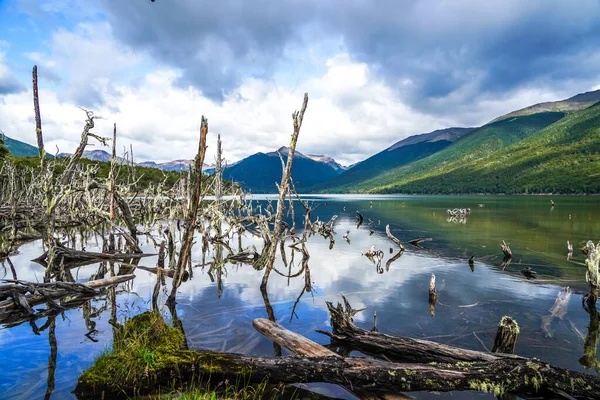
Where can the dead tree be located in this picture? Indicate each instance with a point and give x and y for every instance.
(186, 243)
(297, 118)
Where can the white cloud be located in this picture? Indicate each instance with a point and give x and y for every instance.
(352, 113)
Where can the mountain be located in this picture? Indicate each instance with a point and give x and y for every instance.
(572, 104)
(20, 149)
(475, 146)
(260, 171)
(563, 157)
(175, 165)
(400, 153)
(97, 155)
(328, 161)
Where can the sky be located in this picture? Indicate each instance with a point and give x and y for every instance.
(375, 71)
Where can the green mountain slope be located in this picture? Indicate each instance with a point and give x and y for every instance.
(260, 171)
(476, 145)
(562, 158)
(572, 104)
(20, 149)
(401, 153)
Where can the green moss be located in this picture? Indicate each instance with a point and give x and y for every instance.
(487, 387)
(536, 378)
(144, 345)
(508, 322)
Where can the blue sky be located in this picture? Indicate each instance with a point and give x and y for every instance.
(376, 71)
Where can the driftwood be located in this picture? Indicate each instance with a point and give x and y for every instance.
(292, 341)
(246, 256)
(506, 250)
(393, 238)
(548, 379)
(498, 374)
(67, 255)
(40, 293)
(155, 270)
(417, 242)
(592, 275)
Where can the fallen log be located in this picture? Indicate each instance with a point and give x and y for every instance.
(67, 255)
(294, 342)
(395, 348)
(62, 289)
(403, 349)
(110, 377)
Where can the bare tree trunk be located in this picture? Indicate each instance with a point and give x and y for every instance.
(283, 189)
(188, 237)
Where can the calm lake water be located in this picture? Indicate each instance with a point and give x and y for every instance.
(218, 315)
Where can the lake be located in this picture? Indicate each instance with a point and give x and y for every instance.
(217, 309)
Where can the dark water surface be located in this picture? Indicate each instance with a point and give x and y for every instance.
(217, 312)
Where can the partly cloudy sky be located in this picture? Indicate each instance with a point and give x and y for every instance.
(376, 71)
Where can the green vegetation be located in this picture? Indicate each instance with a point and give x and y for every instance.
(383, 161)
(145, 347)
(20, 149)
(561, 158)
(401, 153)
(430, 174)
(145, 176)
(3, 150)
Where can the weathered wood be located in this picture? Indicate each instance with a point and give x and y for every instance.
(395, 348)
(166, 272)
(403, 349)
(294, 342)
(67, 255)
(372, 375)
(506, 250)
(64, 289)
(416, 242)
(432, 295)
(393, 238)
(298, 118)
(188, 235)
(506, 336)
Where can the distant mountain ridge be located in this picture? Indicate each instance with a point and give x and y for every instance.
(400, 153)
(260, 171)
(20, 149)
(572, 104)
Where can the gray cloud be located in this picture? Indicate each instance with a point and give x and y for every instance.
(10, 85)
(469, 47)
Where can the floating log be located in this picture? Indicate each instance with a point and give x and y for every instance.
(43, 292)
(416, 242)
(508, 374)
(393, 238)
